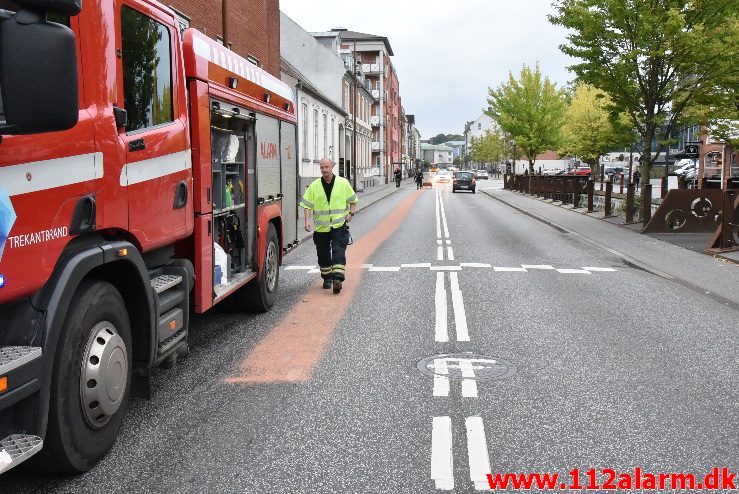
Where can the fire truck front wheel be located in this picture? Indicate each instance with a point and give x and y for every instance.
(91, 380)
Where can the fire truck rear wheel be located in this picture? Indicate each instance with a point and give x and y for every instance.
(260, 294)
(91, 380)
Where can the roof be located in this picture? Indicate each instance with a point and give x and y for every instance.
(346, 35)
(434, 147)
(305, 85)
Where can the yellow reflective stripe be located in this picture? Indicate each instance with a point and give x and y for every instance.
(321, 212)
(326, 270)
(352, 199)
(338, 267)
(306, 204)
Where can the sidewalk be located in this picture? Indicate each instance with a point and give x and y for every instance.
(711, 275)
(366, 198)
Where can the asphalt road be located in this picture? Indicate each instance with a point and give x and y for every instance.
(608, 367)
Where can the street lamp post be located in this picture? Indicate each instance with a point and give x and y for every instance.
(513, 167)
(357, 63)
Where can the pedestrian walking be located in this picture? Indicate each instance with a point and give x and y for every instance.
(637, 178)
(419, 179)
(330, 202)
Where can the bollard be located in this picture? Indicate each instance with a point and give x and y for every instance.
(621, 188)
(630, 203)
(609, 193)
(663, 185)
(601, 180)
(591, 186)
(646, 204)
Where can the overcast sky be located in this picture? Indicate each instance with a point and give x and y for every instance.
(447, 54)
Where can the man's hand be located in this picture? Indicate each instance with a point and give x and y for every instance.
(348, 217)
(307, 226)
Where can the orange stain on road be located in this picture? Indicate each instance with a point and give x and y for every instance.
(297, 342)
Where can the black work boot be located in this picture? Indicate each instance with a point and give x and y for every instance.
(326, 284)
(337, 286)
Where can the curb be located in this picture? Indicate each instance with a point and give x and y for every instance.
(627, 259)
(564, 230)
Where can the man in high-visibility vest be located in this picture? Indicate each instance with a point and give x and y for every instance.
(331, 202)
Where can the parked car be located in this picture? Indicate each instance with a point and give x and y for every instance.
(481, 175)
(581, 171)
(686, 169)
(551, 171)
(464, 181)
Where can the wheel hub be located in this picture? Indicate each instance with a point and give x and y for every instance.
(271, 267)
(104, 375)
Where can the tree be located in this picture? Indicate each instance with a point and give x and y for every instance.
(442, 138)
(457, 161)
(654, 59)
(589, 129)
(530, 109)
(487, 149)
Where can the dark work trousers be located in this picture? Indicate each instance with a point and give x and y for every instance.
(331, 249)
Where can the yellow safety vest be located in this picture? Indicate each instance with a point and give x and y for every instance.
(325, 215)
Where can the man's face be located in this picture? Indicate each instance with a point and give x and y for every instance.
(326, 169)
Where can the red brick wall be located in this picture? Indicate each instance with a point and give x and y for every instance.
(253, 26)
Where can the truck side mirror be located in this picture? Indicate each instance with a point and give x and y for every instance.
(38, 74)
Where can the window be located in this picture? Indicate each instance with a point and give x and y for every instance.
(479, 126)
(254, 60)
(315, 134)
(147, 70)
(304, 116)
(346, 96)
(325, 135)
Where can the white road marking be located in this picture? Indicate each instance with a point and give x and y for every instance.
(500, 268)
(440, 253)
(436, 209)
(450, 253)
(443, 216)
(417, 265)
(448, 242)
(477, 452)
(441, 453)
(446, 268)
(602, 270)
(438, 241)
(440, 301)
(388, 269)
(474, 264)
(441, 383)
(469, 386)
(460, 317)
(573, 271)
(537, 266)
(288, 268)
(366, 266)
(314, 270)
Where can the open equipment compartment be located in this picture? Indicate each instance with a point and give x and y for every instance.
(230, 193)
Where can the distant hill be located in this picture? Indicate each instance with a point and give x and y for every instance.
(442, 138)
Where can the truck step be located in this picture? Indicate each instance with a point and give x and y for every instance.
(17, 448)
(12, 357)
(165, 282)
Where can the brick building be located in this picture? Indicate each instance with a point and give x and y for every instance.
(252, 28)
(374, 53)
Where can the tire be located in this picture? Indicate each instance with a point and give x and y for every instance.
(260, 295)
(82, 429)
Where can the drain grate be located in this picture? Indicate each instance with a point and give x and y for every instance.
(461, 366)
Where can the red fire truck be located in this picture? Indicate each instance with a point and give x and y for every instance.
(145, 173)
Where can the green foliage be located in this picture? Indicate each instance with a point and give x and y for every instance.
(530, 109)
(487, 149)
(442, 138)
(656, 60)
(589, 130)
